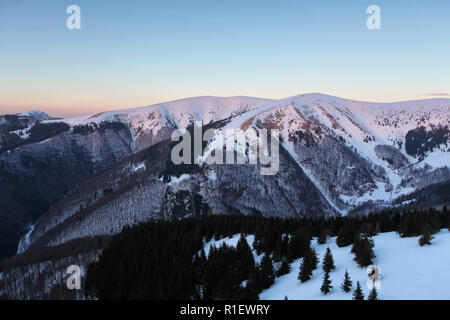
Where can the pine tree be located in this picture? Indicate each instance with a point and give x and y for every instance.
(328, 261)
(356, 243)
(358, 294)
(254, 279)
(305, 270)
(245, 256)
(267, 275)
(364, 252)
(314, 260)
(309, 263)
(285, 268)
(373, 294)
(347, 283)
(326, 284)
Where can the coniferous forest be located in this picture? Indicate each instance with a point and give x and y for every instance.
(167, 260)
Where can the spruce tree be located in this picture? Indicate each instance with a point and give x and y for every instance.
(328, 261)
(358, 294)
(245, 256)
(267, 275)
(314, 260)
(326, 284)
(364, 253)
(356, 243)
(373, 294)
(285, 268)
(347, 283)
(305, 269)
(254, 279)
(309, 263)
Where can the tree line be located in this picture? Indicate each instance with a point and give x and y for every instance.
(167, 260)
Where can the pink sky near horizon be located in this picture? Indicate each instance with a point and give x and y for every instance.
(79, 106)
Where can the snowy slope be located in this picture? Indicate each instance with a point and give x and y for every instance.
(408, 271)
(180, 112)
(362, 126)
(161, 119)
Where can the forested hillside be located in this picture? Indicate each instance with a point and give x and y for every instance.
(173, 260)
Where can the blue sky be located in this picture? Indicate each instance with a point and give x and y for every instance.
(132, 53)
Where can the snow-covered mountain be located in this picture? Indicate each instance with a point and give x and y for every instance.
(360, 151)
(43, 160)
(338, 156)
(89, 176)
(37, 115)
(149, 122)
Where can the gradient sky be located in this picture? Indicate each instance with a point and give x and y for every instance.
(134, 53)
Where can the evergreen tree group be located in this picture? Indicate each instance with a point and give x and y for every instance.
(308, 265)
(166, 259)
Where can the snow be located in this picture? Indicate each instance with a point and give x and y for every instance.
(173, 114)
(436, 160)
(212, 176)
(408, 201)
(24, 133)
(408, 271)
(179, 112)
(38, 115)
(138, 167)
(174, 180)
(24, 242)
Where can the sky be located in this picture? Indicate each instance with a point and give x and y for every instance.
(135, 53)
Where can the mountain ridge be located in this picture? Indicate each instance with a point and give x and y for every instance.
(353, 154)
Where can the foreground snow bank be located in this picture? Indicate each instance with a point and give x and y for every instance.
(408, 271)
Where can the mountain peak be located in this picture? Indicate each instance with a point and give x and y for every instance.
(36, 114)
